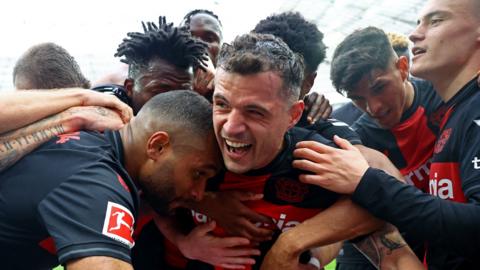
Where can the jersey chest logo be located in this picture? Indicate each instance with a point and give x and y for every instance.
(445, 181)
(118, 224)
(290, 190)
(442, 140)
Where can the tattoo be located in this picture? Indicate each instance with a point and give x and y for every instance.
(101, 110)
(16, 144)
(380, 244)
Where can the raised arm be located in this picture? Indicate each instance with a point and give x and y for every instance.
(16, 144)
(21, 108)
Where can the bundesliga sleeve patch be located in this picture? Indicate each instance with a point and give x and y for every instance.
(118, 224)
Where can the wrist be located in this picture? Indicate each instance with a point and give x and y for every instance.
(288, 246)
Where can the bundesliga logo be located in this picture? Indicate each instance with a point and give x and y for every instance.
(118, 224)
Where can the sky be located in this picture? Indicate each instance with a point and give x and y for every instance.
(91, 30)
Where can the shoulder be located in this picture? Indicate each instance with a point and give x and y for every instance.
(297, 134)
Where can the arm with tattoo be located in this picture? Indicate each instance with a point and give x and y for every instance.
(16, 144)
(386, 249)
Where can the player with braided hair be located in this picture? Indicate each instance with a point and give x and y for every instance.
(160, 59)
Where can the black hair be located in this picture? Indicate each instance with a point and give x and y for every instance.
(358, 54)
(172, 44)
(49, 66)
(254, 53)
(301, 36)
(189, 15)
(187, 110)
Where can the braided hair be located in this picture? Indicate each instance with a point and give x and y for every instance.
(164, 41)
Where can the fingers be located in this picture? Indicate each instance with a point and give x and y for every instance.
(327, 112)
(317, 106)
(256, 234)
(308, 154)
(234, 241)
(315, 146)
(344, 144)
(310, 100)
(307, 165)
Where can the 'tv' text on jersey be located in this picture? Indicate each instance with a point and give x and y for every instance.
(68, 199)
(455, 169)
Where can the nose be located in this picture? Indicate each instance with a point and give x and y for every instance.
(198, 190)
(234, 124)
(417, 34)
(373, 106)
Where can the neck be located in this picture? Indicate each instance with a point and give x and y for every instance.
(409, 95)
(449, 83)
(131, 166)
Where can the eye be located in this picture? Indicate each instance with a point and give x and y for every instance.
(220, 104)
(378, 89)
(256, 113)
(197, 175)
(435, 21)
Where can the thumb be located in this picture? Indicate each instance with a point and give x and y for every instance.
(344, 144)
(206, 228)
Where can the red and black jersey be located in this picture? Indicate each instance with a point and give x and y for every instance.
(409, 145)
(69, 198)
(288, 195)
(286, 200)
(450, 220)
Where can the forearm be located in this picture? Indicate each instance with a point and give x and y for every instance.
(98, 262)
(21, 108)
(343, 220)
(16, 144)
(423, 216)
(386, 249)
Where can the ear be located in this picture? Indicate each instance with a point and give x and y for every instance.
(158, 144)
(296, 113)
(128, 84)
(402, 66)
(307, 84)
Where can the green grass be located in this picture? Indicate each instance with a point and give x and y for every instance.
(331, 266)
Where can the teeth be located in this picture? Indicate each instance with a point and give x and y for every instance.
(416, 51)
(235, 144)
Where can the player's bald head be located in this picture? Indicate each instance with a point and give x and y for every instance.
(180, 112)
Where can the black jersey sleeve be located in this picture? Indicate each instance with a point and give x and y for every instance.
(452, 225)
(90, 214)
(469, 157)
(330, 127)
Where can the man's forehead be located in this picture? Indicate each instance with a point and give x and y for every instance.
(162, 68)
(443, 6)
(205, 20)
